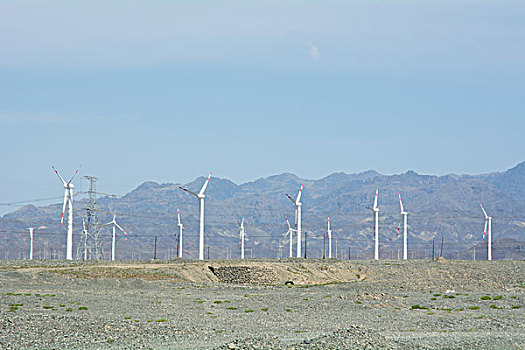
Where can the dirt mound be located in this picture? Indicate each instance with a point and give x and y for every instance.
(244, 274)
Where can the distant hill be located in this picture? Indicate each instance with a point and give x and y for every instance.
(439, 206)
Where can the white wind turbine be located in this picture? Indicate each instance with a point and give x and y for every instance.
(241, 237)
(488, 222)
(329, 232)
(290, 234)
(375, 210)
(68, 198)
(298, 204)
(181, 227)
(404, 214)
(200, 196)
(114, 222)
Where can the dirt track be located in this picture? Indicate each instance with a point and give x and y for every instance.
(234, 304)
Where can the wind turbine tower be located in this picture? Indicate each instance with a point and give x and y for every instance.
(68, 198)
(329, 232)
(404, 214)
(30, 243)
(241, 237)
(200, 196)
(181, 227)
(290, 233)
(488, 222)
(114, 222)
(298, 205)
(375, 210)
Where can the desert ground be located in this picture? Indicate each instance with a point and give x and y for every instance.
(262, 304)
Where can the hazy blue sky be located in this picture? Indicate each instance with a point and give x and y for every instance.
(169, 90)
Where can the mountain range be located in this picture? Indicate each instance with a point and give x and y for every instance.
(440, 207)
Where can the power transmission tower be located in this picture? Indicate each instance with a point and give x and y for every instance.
(91, 245)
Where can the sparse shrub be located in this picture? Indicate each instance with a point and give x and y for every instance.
(430, 313)
(449, 296)
(161, 320)
(437, 294)
(433, 298)
(69, 309)
(249, 310)
(462, 309)
(497, 297)
(264, 309)
(288, 310)
(47, 307)
(513, 297)
(418, 307)
(485, 297)
(82, 308)
(231, 308)
(62, 305)
(217, 302)
(405, 296)
(127, 318)
(473, 308)
(358, 302)
(516, 307)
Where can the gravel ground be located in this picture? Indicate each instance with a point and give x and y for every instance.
(246, 305)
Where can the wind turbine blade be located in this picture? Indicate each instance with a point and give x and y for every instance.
(484, 212)
(121, 229)
(485, 231)
(60, 177)
(205, 184)
(375, 198)
(64, 207)
(290, 198)
(178, 217)
(242, 222)
(401, 203)
(295, 217)
(190, 192)
(298, 200)
(72, 177)
(328, 223)
(289, 227)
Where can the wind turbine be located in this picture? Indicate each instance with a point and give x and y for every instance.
(404, 214)
(68, 197)
(329, 232)
(375, 210)
(200, 196)
(181, 227)
(488, 222)
(114, 222)
(290, 233)
(298, 204)
(85, 233)
(241, 237)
